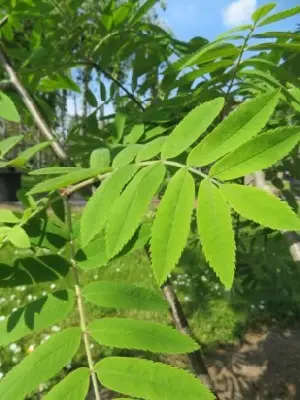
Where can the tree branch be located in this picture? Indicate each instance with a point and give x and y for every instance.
(27, 99)
(117, 82)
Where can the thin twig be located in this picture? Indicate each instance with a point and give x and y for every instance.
(39, 120)
(116, 81)
(81, 311)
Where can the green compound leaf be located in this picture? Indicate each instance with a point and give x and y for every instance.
(241, 125)
(131, 206)
(262, 11)
(280, 16)
(36, 316)
(9, 143)
(150, 381)
(136, 132)
(65, 180)
(191, 128)
(151, 149)
(100, 158)
(216, 231)
(41, 365)
(262, 207)
(54, 170)
(126, 156)
(124, 296)
(260, 152)
(141, 335)
(19, 238)
(172, 224)
(98, 207)
(26, 155)
(8, 217)
(8, 110)
(73, 386)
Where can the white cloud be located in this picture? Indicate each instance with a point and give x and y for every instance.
(238, 12)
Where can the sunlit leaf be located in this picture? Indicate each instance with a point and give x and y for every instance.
(8, 110)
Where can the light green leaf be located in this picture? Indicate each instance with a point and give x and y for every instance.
(142, 11)
(259, 153)
(73, 386)
(131, 206)
(191, 127)
(262, 11)
(135, 133)
(151, 149)
(157, 131)
(8, 110)
(149, 380)
(260, 206)
(280, 16)
(100, 204)
(26, 155)
(57, 82)
(124, 295)
(19, 238)
(216, 231)
(55, 170)
(292, 47)
(67, 179)
(119, 125)
(98, 260)
(35, 316)
(141, 335)
(241, 125)
(126, 156)
(100, 158)
(172, 224)
(8, 143)
(276, 35)
(8, 217)
(41, 365)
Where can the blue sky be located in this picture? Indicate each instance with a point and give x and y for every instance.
(209, 18)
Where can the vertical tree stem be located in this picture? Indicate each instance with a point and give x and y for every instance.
(79, 298)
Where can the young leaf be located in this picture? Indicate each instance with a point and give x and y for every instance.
(41, 365)
(26, 155)
(35, 316)
(260, 206)
(130, 207)
(148, 380)
(216, 232)
(67, 179)
(141, 335)
(241, 125)
(19, 238)
(172, 224)
(120, 125)
(8, 143)
(8, 217)
(57, 82)
(280, 16)
(100, 204)
(191, 127)
(259, 153)
(100, 158)
(135, 133)
(73, 386)
(126, 156)
(262, 11)
(124, 296)
(8, 110)
(151, 149)
(54, 170)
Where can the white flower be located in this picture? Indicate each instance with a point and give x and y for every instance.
(217, 287)
(92, 345)
(2, 317)
(14, 309)
(15, 359)
(52, 286)
(44, 293)
(186, 298)
(55, 328)
(12, 297)
(29, 297)
(118, 270)
(1, 375)
(203, 278)
(2, 300)
(13, 347)
(95, 276)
